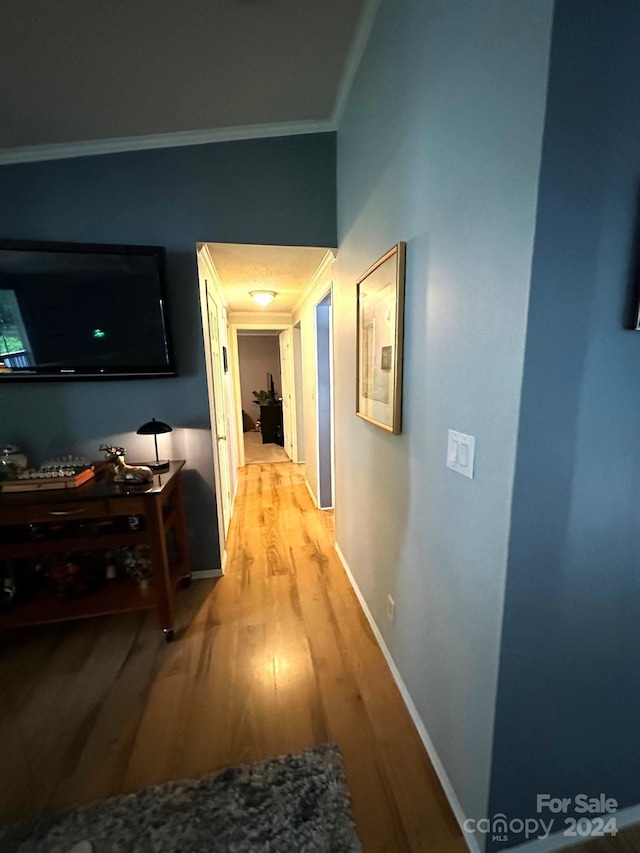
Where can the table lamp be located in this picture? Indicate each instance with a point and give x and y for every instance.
(155, 428)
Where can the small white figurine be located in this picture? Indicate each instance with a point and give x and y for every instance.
(126, 473)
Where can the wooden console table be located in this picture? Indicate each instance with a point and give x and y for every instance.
(271, 423)
(158, 504)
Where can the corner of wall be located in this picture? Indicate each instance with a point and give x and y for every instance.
(449, 791)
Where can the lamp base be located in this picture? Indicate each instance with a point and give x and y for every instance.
(162, 465)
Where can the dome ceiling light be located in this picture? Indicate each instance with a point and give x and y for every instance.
(263, 297)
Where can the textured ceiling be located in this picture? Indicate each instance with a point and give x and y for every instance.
(285, 269)
(81, 70)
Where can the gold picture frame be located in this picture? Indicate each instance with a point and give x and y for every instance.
(380, 333)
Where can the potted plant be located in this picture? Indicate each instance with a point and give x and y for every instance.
(264, 398)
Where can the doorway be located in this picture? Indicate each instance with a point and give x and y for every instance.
(277, 427)
(264, 427)
(293, 280)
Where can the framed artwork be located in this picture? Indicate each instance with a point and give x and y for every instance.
(380, 336)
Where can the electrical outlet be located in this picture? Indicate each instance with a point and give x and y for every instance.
(391, 609)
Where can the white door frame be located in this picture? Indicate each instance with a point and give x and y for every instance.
(288, 393)
(208, 282)
(223, 521)
(328, 292)
(234, 369)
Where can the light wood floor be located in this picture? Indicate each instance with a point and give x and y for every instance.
(275, 657)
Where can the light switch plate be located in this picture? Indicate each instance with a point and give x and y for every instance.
(460, 453)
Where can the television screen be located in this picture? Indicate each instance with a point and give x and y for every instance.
(79, 311)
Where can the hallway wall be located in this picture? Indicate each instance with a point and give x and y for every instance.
(323, 410)
(571, 633)
(440, 147)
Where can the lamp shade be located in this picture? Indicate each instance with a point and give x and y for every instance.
(155, 428)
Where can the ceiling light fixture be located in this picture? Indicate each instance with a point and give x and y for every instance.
(263, 297)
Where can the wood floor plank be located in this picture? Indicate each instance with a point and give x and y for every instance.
(275, 657)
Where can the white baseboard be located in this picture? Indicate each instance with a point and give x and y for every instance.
(628, 816)
(310, 490)
(207, 573)
(454, 802)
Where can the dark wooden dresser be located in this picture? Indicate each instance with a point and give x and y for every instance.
(97, 517)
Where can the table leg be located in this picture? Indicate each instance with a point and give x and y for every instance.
(160, 566)
(180, 530)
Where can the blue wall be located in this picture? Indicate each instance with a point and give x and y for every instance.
(568, 708)
(273, 191)
(440, 146)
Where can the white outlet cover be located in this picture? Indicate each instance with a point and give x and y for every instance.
(391, 609)
(461, 450)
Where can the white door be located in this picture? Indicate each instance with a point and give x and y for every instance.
(286, 374)
(219, 419)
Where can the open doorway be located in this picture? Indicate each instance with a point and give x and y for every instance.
(294, 279)
(261, 396)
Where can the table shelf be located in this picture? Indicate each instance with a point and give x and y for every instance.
(46, 547)
(116, 597)
(160, 505)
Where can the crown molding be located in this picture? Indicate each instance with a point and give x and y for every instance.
(324, 264)
(254, 320)
(354, 58)
(92, 147)
(243, 332)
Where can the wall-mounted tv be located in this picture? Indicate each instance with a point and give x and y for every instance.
(82, 311)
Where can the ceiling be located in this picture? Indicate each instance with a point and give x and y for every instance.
(83, 70)
(285, 269)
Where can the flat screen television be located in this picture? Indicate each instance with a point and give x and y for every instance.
(82, 311)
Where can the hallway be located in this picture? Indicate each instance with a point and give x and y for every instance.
(275, 657)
